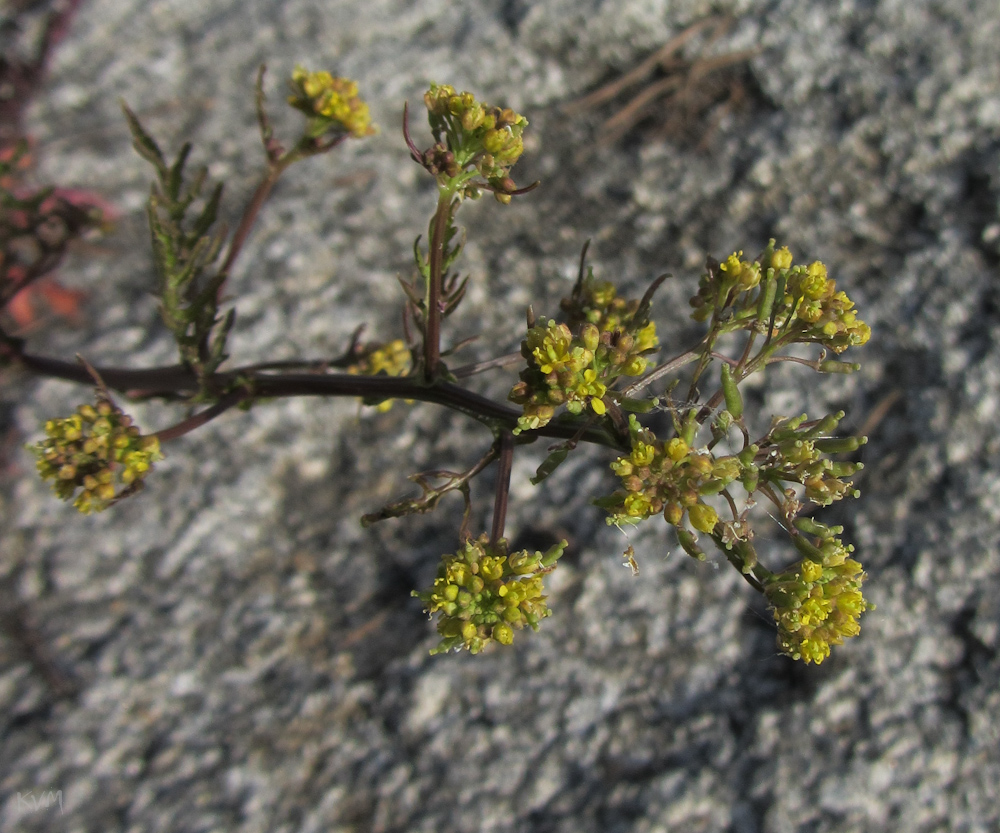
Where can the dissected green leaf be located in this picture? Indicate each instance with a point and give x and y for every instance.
(143, 142)
(551, 463)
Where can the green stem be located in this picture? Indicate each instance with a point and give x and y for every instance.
(432, 329)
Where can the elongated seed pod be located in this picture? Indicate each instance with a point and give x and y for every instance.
(687, 541)
(734, 399)
(811, 527)
(767, 297)
(833, 366)
(840, 445)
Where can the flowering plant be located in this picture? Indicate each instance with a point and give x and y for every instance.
(593, 374)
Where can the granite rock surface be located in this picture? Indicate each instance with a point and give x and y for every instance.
(248, 658)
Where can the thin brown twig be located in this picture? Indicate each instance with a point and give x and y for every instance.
(506, 451)
(639, 73)
(467, 370)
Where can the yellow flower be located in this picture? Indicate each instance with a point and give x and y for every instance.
(503, 593)
(817, 605)
(782, 258)
(334, 100)
(703, 517)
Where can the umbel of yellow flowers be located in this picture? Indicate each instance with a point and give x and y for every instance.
(483, 593)
(329, 102)
(817, 601)
(97, 452)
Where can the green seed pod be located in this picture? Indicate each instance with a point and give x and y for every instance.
(690, 545)
(833, 366)
(554, 553)
(746, 553)
(820, 530)
(638, 406)
(713, 487)
(804, 546)
(827, 425)
(747, 455)
(788, 429)
(765, 256)
(690, 427)
(734, 399)
(766, 304)
(841, 445)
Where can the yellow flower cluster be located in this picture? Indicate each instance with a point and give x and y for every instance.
(392, 359)
(802, 300)
(560, 372)
(798, 454)
(741, 274)
(330, 102)
(668, 478)
(597, 302)
(577, 370)
(471, 132)
(817, 601)
(483, 594)
(98, 451)
(817, 311)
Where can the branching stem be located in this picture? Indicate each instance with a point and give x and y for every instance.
(506, 443)
(199, 419)
(178, 381)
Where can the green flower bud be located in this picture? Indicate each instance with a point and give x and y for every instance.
(503, 633)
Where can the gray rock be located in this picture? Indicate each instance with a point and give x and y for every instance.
(249, 658)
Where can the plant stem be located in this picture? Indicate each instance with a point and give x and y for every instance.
(178, 381)
(196, 421)
(506, 360)
(506, 443)
(662, 370)
(432, 331)
(275, 170)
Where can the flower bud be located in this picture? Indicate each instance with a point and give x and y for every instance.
(703, 517)
(503, 633)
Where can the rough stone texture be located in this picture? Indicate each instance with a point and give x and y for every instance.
(249, 658)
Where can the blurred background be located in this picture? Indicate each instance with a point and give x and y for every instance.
(232, 651)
